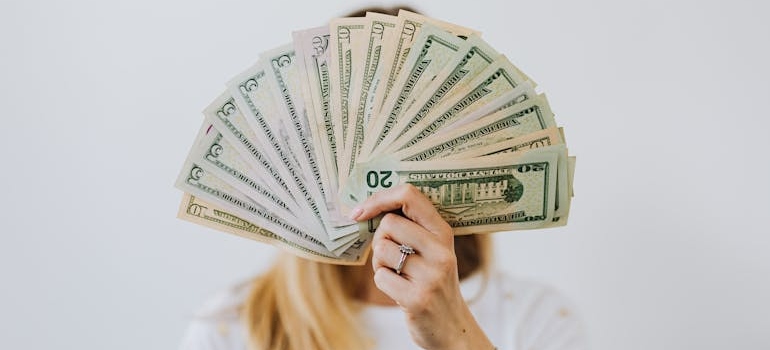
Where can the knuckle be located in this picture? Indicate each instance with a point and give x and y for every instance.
(412, 191)
(380, 249)
(388, 220)
(445, 261)
(378, 236)
(446, 234)
(448, 228)
(379, 277)
(407, 190)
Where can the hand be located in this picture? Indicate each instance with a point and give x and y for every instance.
(428, 288)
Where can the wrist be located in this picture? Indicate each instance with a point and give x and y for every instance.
(471, 336)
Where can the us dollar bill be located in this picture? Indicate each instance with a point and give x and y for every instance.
(395, 51)
(537, 139)
(262, 150)
(380, 28)
(312, 48)
(517, 120)
(571, 160)
(403, 108)
(345, 34)
(520, 94)
(284, 81)
(433, 49)
(362, 105)
(197, 181)
(205, 213)
(495, 81)
(494, 193)
(254, 103)
(544, 138)
(215, 154)
(228, 119)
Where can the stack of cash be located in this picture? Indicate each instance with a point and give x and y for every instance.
(365, 104)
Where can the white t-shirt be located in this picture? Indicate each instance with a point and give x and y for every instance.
(515, 314)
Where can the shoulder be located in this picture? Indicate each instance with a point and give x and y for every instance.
(538, 315)
(525, 291)
(217, 323)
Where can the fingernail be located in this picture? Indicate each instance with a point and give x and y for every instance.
(357, 211)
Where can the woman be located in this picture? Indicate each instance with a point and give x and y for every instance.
(425, 288)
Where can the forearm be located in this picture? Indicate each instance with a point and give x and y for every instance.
(469, 335)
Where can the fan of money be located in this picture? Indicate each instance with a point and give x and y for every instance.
(365, 104)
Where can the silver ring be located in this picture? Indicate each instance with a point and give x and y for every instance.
(406, 250)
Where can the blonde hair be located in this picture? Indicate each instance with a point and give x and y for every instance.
(300, 304)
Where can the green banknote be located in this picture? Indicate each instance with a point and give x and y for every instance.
(395, 51)
(197, 181)
(434, 48)
(496, 80)
(215, 154)
(495, 193)
(380, 28)
(312, 49)
(517, 120)
(201, 212)
(365, 104)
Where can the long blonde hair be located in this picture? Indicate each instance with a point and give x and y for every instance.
(299, 304)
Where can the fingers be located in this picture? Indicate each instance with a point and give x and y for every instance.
(391, 284)
(387, 254)
(395, 230)
(410, 201)
(421, 280)
(432, 270)
(404, 231)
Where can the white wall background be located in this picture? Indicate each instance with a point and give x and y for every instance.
(664, 103)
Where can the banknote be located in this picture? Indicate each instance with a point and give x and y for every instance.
(380, 28)
(345, 33)
(434, 48)
(472, 59)
(364, 104)
(195, 180)
(227, 119)
(496, 80)
(536, 139)
(215, 154)
(284, 81)
(312, 48)
(395, 51)
(572, 160)
(507, 99)
(520, 119)
(249, 97)
(494, 193)
(198, 211)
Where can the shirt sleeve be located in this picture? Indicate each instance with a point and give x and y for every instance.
(201, 336)
(217, 325)
(549, 322)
